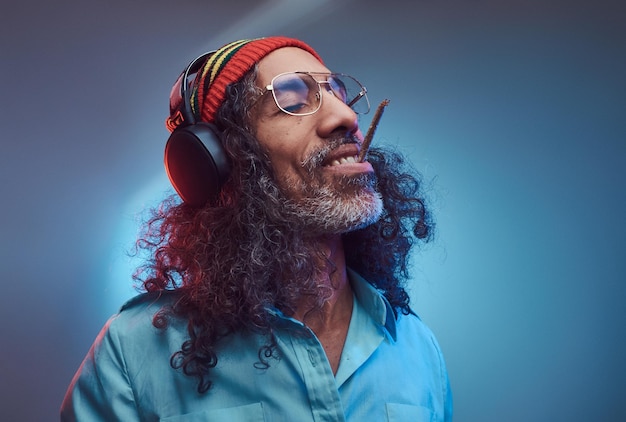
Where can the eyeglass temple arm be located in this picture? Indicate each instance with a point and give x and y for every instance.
(360, 95)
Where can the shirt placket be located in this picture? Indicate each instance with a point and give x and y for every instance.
(318, 377)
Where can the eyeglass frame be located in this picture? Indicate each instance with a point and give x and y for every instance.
(362, 92)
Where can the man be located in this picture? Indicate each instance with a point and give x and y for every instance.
(278, 296)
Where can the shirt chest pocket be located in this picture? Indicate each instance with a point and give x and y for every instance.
(409, 413)
(250, 412)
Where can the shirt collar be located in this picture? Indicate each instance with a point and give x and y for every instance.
(374, 303)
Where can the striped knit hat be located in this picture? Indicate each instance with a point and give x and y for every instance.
(222, 68)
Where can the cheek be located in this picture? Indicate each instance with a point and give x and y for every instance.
(285, 164)
(285, 143)
(283, 150)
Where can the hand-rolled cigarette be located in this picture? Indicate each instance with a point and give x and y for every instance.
(370, 132)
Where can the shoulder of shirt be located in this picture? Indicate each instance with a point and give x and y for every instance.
(414, 324)
(139, 311)
(150, 299)
(412, 316)
(131, 332)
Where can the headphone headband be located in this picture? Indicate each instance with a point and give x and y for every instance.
(181, 112)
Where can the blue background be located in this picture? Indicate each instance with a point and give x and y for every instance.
(514, 112)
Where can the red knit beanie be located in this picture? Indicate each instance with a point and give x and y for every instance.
(228, 65)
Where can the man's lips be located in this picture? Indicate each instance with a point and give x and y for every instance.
(347, 168)
(344, 159)
(344, 154)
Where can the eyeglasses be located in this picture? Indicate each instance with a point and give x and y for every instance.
(300, 93)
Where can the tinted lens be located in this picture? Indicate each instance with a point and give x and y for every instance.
(338, 87)
(296, 93)
(350, 91)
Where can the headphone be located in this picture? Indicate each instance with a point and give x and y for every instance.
(195, 160)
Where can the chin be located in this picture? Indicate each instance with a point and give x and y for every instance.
(364, 213)
(338, 214)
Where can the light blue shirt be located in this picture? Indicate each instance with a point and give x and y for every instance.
(391, 369)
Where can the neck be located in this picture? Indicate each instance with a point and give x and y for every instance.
(330, 322)
(337, 309)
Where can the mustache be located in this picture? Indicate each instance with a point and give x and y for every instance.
(317, 157)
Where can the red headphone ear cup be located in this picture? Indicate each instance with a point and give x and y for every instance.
(196, 163)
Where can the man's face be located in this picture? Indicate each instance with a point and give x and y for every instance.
(312, 156)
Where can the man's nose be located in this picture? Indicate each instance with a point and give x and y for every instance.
(336, 116)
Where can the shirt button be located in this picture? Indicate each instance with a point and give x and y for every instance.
(311, 356)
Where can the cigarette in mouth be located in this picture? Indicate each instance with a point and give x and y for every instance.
(370, 132)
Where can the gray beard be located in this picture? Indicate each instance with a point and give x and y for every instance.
(337, 208)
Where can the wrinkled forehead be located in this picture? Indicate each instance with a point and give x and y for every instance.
(287, 59)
